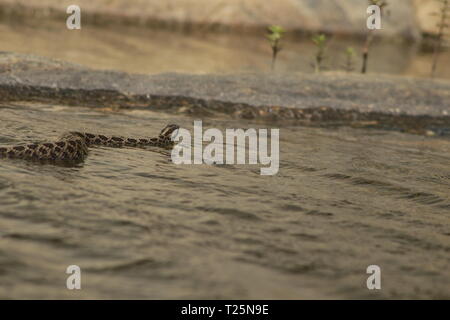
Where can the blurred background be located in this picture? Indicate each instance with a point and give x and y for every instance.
(221, 36)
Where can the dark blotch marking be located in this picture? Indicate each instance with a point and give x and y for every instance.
(19, 148)
(70, 149)
(103, 137)
(79, 134)
(32, 146)
(48, 145)
(89, 135)
(117, 139)
(60, 144)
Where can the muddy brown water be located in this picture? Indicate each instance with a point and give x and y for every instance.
(140, 50)
(140, 226)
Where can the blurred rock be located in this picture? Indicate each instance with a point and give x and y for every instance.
(335, 16)
(428, 15)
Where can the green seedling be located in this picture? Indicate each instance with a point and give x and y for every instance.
(320, 42)
(349, 62)
(275, 34)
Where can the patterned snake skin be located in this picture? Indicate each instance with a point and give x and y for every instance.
(73, 146)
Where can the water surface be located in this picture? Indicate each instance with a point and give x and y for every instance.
(150, 51)
(140, 226)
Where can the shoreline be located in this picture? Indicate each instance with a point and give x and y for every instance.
(393, 102)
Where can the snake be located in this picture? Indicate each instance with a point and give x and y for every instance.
(73, 146)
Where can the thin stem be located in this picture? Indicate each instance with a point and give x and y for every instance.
(366, 47)
(440, 36)
(275, 50)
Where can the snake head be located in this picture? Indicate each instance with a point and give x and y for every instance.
(166, 133)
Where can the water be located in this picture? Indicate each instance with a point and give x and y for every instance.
(140, 226)
(140, 50)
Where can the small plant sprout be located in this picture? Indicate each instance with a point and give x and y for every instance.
(349, 63)
(275, 33)
(442, 26)
(319, 41)
(369, 38)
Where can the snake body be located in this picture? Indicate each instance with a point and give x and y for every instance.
(73, 146)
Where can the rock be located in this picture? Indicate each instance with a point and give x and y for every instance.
(428, 15)
(334, 16)
(363, 100)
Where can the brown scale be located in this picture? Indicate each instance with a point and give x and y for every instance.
(73, 146)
